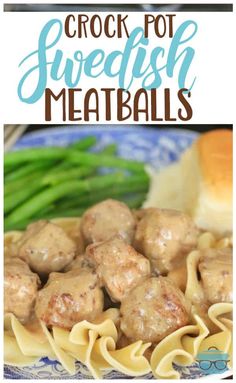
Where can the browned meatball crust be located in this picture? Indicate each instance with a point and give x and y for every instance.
(106, 219)
(165, 237)
(69, 298)
(153, 310)
(46, 247)
(20, 288)
(215, 266)
(118, 265)
(80, 263)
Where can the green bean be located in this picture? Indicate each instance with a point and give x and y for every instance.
(22, 183)
(48, 196)
(132, 184)
(27, 169)
(61, 166)
(75, 212)
(113, 192)
(70, 174)
(20, 196)
(133, 201)
(11, 169)
(93, 159)
(109, 149)
(24, 223)
(54, 178)
(21, 225)
(48, 209)
(84, 143)
(64, 172)
(8, 170)
(35, 154)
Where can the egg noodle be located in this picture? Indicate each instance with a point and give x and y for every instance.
(96, 344)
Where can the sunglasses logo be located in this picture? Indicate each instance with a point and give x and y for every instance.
(213, 361)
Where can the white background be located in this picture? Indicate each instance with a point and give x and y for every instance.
(211, 100)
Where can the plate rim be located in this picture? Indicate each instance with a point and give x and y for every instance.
(89, 128)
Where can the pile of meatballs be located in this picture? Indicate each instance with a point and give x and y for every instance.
(122, 260)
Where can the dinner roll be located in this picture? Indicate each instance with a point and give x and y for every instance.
(207, 181)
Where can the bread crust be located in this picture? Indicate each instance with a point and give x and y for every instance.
(207, 181)
(215, 153)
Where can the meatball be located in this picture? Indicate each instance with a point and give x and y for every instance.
(46, 247)
(153, 310)
(140, 213)
(215, 267)
(106, 219)
(165, 237)
(118, 265)
(72, 228)
(81, 262)
(20, 288)
(69, 298)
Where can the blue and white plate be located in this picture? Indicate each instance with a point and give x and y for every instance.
(156, 147)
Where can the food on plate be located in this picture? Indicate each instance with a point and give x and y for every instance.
(215, 267)
(117, 286)
(106, 219)
(184, 345)
(68, 298)
(200, 183)
(165, 189)
(46, 247)
(207, 175)
(65, 181)
(44, 199)
(119, 266)
(165, 237)
(20, 288)
(106, 305)
(179, 276)
(81, 262)
(153, 309)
